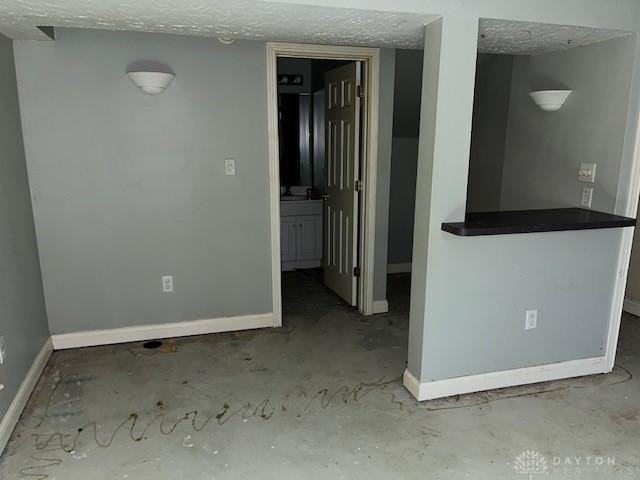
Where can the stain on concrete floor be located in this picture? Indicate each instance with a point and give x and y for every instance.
(320, 398)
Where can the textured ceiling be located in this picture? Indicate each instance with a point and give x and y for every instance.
(248, 19)
(523, 38)
(260, 20)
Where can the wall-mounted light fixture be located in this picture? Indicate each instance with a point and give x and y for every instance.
(550, 100)
(151, 83)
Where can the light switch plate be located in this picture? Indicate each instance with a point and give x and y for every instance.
(229, 166)
(587, 172)
(587, 196)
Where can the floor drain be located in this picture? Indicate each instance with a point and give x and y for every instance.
(152, 344)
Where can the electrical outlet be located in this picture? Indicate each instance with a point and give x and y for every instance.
(3, 352)
(531, 319)
(167, 283)
(229, 166)
(587, 196)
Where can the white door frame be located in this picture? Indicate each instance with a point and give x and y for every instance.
(371, 59)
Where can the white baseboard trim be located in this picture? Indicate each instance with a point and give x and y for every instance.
(380, 306)
(398, 268)
(412, 384)
(505, 378)
(165, 330)
(631, 306)
(24, 392)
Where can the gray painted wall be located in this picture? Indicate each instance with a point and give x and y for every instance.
(424, 191)
(469, 295)
(488, 131)
(544, 150)
(542, 157)
(404, 154)
(129, 187)
(23, 320)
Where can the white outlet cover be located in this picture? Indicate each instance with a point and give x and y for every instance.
(531, 319)
(229, 166)
(3, 352)
(167, 283)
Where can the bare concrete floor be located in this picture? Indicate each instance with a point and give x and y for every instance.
(320, 398)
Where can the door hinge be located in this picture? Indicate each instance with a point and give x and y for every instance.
(358, 186)
(356, 272)
(360, 91)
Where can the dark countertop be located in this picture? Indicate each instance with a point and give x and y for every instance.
(529, 221)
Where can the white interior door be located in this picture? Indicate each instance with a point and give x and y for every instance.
(342, 133)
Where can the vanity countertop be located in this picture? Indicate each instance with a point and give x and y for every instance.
(298, 199)
(529, 221)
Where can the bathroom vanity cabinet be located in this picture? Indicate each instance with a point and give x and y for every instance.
(300, 234)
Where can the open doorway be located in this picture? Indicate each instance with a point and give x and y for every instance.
(318, 138)
(322, 136)
(404, 164)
